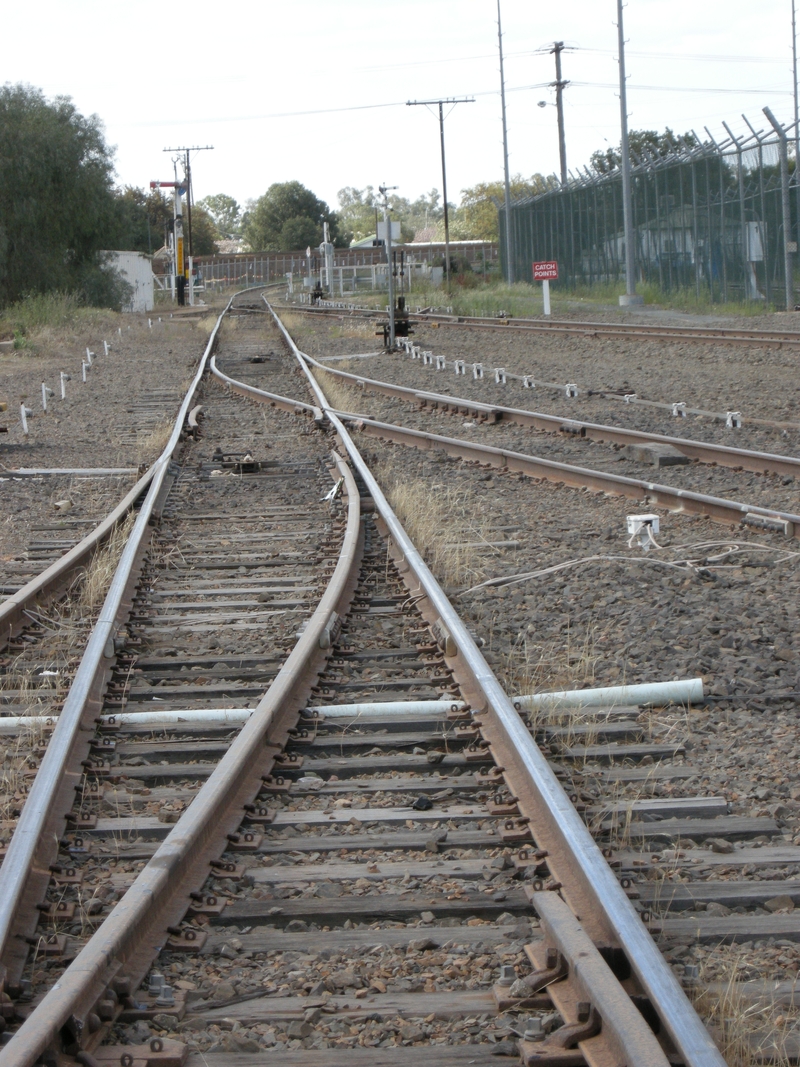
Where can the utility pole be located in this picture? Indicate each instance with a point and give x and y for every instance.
(509, 250)
(427, 103)
(627, 204)
(559, 84)
(384, 190)
(187, 170)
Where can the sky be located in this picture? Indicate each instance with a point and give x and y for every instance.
(296, 90)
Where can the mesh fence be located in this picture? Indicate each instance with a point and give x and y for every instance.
(708, 218)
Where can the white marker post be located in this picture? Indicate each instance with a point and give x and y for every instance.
(545, 271)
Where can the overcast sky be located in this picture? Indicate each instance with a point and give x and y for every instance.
(288, 90)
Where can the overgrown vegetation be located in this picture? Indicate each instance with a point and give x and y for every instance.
(57, 205)
(38, 314)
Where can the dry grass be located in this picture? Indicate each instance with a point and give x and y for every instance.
(431, 514)
(97, 579)
(151, 443)
(358, 328)
(748, 1032)
(296, 324)
(339, 394)
(532, 666)
(207, 324)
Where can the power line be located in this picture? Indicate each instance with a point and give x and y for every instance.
(440, 103)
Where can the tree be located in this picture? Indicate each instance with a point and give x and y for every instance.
(282, 203)
(204, 233)
(143, 219)
(225, 213)
(357, 212)
(476, 218)
(642, 143)
(57, 205)
(300, 232)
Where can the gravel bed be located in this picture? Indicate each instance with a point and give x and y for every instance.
(764, 490)
(759, 382)
(118, 418)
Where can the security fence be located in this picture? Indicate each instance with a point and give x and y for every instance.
(360, 263)
(716, 218)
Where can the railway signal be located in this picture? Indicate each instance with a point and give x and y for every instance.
(177, 251)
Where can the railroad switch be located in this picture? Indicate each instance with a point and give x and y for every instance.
(402, 327)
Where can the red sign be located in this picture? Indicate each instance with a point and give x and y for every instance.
(545, 271)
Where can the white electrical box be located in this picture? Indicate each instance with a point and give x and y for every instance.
(636, 522)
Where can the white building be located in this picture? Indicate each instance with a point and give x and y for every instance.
(136, 270)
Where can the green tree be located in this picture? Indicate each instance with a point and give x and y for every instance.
(357, 212)
(225, 213)
(476, 218)
(57, 204)
(643, 143)
(282, 203)
(143, 219)
(204, 233)
(300, 232)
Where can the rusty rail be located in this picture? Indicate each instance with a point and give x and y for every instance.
(717, 508)
(617, 331)
(121, 950)
(57, 577)
(724, 455)
(584, 879)
(26, 868)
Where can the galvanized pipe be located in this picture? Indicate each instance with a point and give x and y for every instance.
(681, 691)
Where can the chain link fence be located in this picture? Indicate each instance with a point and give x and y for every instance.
(719, 219)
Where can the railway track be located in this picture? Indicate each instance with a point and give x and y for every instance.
(641, 447)
(659, 449)
(379, 862)
(639, 405)
(593, 330)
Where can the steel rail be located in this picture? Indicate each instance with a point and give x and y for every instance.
(632, 398)
(55, 578)
(283, 403)
(723, 455)
(125, 942)
(32, 848)
(588, 884)
(618, 331)
(686, 500)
